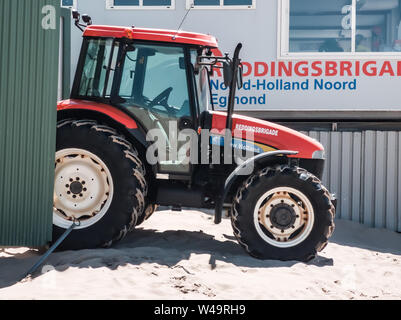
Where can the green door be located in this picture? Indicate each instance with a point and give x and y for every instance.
(29, 64)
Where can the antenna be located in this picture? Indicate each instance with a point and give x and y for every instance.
(183, 20)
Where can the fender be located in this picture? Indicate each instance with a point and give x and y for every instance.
(110, 111)
(239, 171)
(108, 114)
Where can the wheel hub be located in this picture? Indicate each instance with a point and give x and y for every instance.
(76, 187)
(83, 188)
(283, 216)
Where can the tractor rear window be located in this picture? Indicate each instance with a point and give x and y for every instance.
(97, 76)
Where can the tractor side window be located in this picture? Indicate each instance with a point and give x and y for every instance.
(95, 76)
(96, 66)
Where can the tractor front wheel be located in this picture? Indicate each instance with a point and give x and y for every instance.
(283, 213)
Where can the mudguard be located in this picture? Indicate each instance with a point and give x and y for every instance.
(243, 171)
(110, 115)
(112, 112)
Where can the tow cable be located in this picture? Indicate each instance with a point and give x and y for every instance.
(52, 248)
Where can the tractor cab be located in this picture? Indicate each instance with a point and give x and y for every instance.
(159, 78)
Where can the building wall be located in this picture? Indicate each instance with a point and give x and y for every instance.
(364, 170)
(261, 30)
(29, 39)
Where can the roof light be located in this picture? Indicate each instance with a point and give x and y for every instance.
(129, 33)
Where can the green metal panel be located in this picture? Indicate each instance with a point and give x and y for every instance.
(28, 94)
(66, 18)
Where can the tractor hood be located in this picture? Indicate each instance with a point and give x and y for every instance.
(268, 136)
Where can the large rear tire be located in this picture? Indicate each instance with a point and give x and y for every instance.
(99, 182)
(283, 213)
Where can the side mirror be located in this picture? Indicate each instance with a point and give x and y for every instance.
(228, 74)
(87, 19)
(75, 15)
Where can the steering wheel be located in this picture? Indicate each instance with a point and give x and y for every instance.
(161, 100)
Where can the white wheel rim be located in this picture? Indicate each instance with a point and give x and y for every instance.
(299, 219)
(83, 188)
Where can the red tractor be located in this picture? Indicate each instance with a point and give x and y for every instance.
(135, 87)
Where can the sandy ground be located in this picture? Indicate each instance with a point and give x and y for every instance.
(185, 256)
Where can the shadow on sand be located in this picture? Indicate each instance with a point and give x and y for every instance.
(169, 248)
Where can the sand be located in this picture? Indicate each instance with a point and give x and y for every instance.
(183, 255)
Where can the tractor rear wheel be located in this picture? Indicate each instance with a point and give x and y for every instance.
(283, 213)
(99, 183)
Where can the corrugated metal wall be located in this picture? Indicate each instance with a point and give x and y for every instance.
(364, 170)
(28, 94)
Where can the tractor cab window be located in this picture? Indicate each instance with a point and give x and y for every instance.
(97, 77)
(154, 79)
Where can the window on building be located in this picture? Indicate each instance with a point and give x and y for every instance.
(221, 4)
(68, 3)
(140, 4)
(353, 27)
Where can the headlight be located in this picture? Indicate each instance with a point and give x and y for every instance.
(320, 154)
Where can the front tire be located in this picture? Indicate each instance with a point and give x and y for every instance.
(99, 182)
(283, 213)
